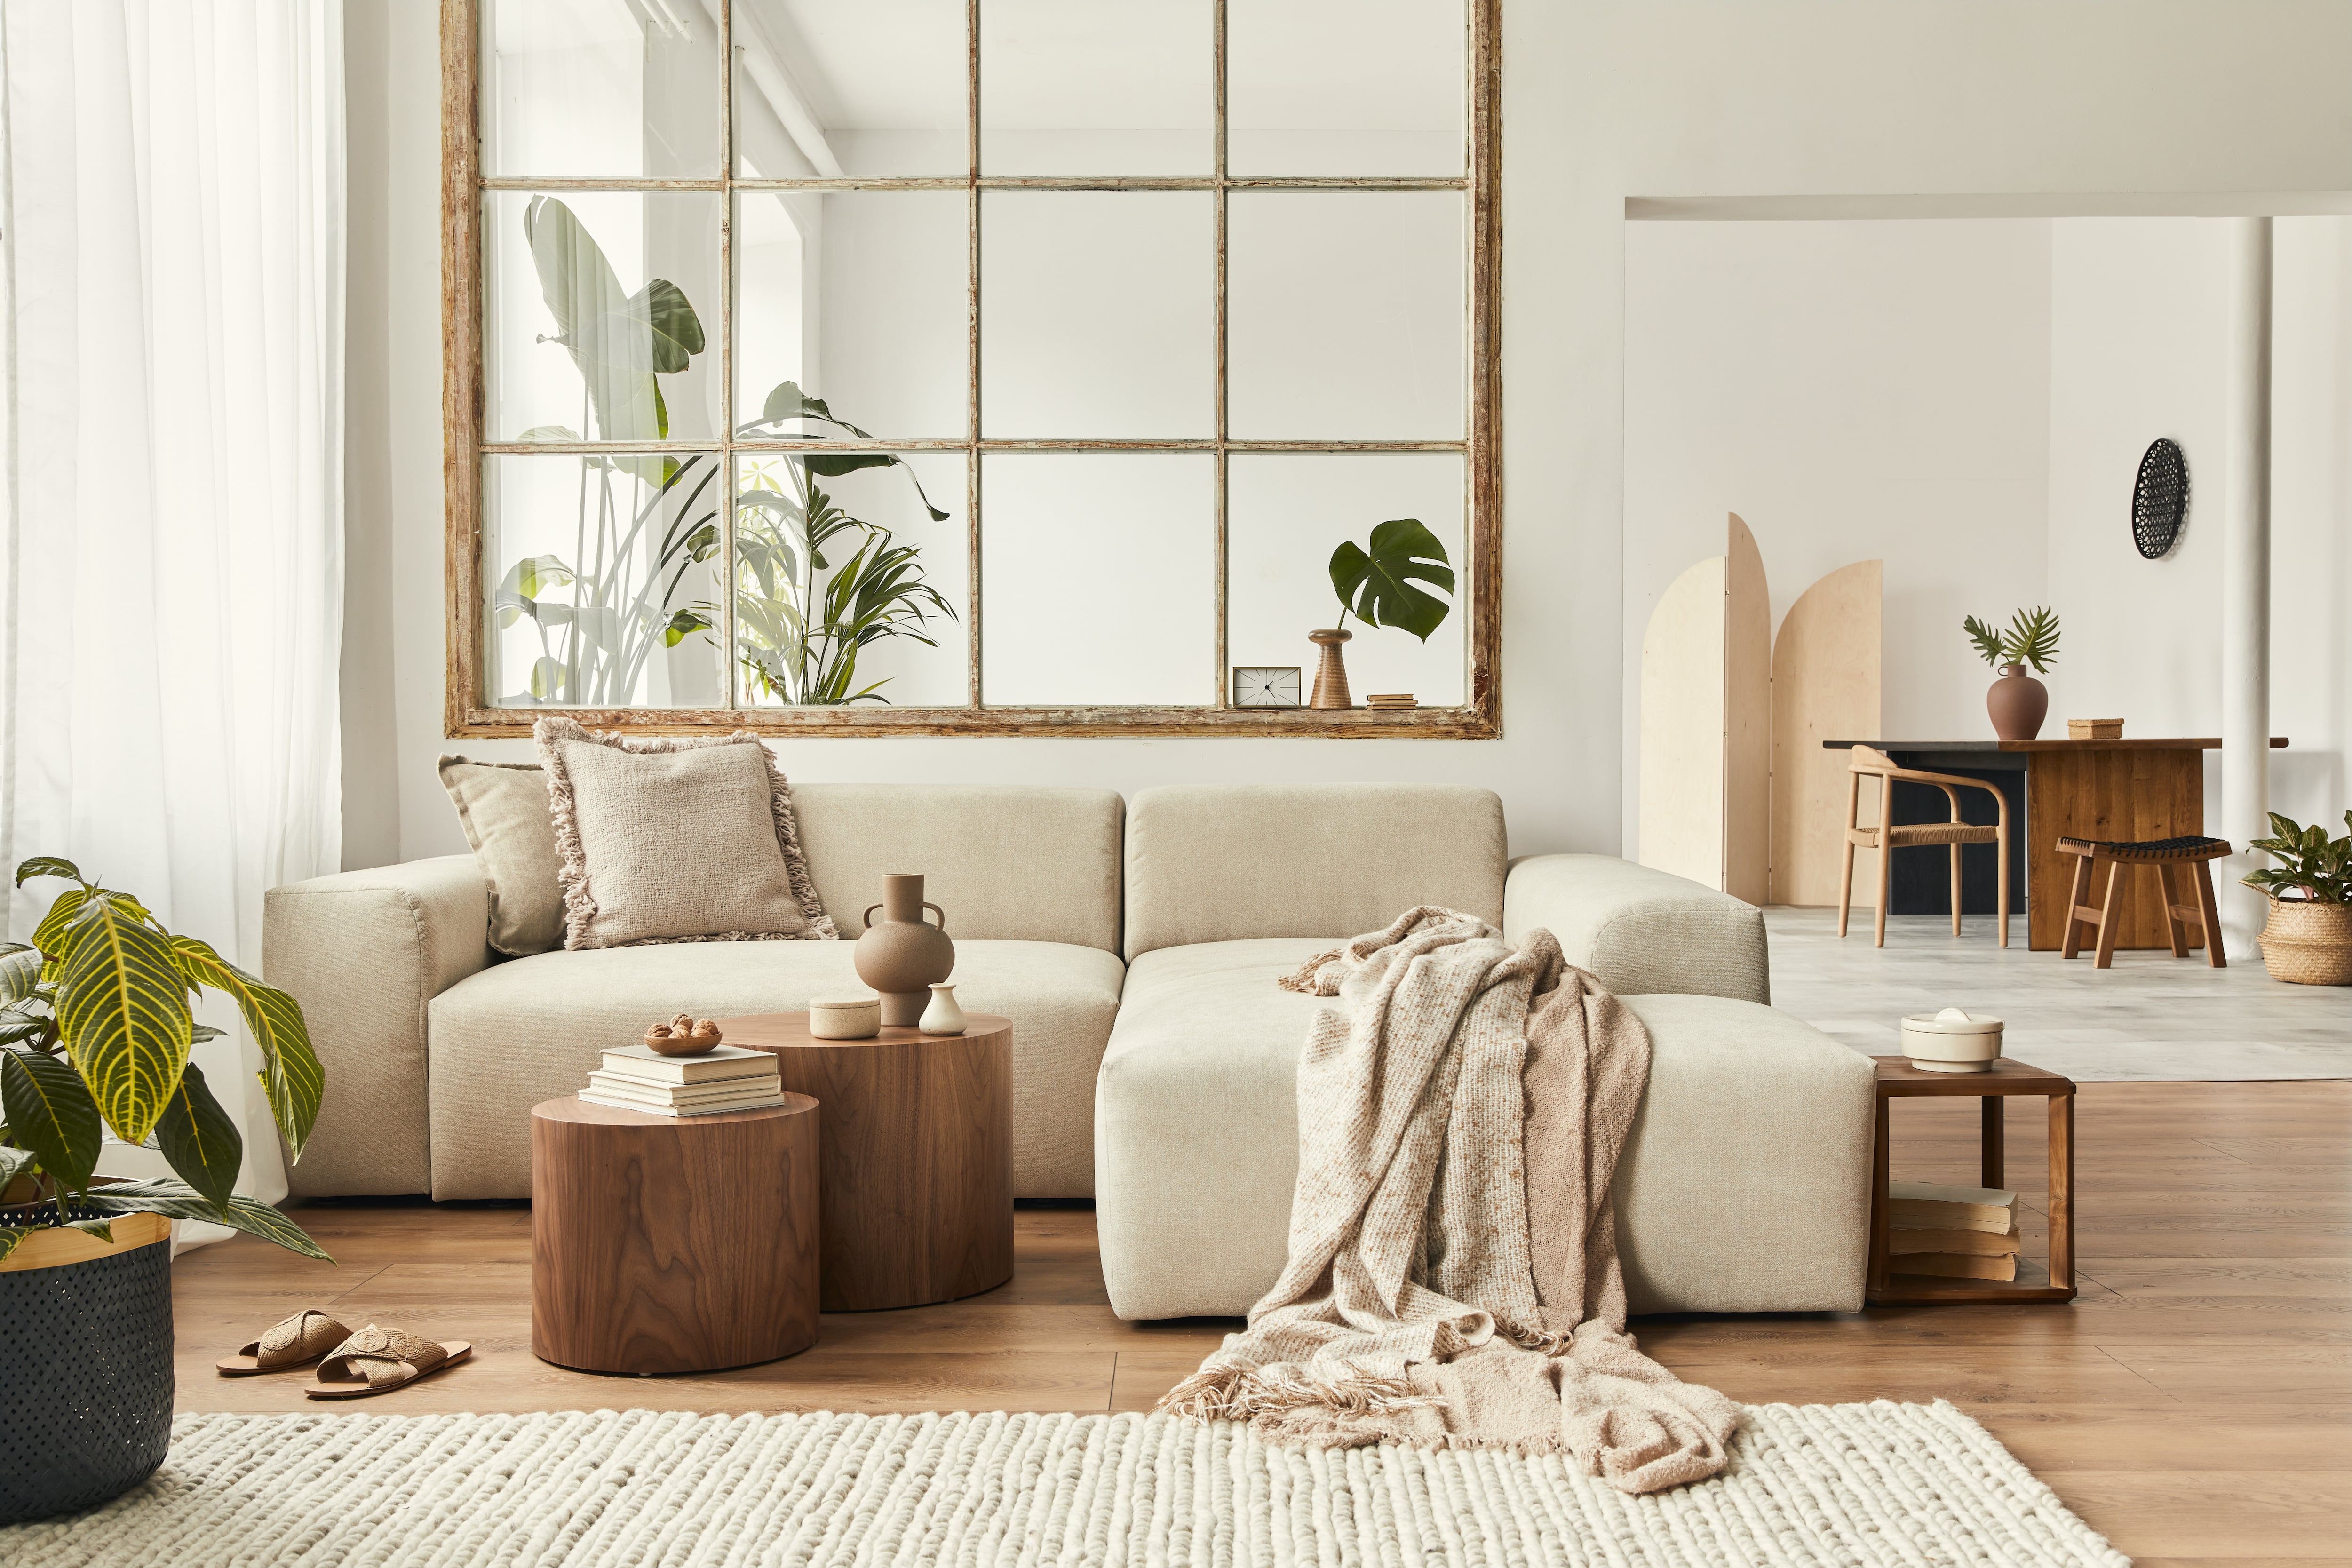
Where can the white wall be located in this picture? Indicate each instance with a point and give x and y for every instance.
(1855, 391)
(1969, 400)
(1606, 99)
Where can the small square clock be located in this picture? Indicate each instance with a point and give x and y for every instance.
(1276, 685)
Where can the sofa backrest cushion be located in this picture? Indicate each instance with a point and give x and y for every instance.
(1230, 862)
(1007, 862)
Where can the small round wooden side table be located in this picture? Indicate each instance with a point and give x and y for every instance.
(914, 1155)
(663, 1244)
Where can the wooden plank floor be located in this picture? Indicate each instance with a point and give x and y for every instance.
(2195, 1404)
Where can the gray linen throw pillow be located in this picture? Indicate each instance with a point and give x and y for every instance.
(503, 808)
(676, 840)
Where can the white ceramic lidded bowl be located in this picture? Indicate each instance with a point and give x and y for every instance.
(845, 1018)
(1951, 1041)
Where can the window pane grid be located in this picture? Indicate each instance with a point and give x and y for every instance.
(1473, 444)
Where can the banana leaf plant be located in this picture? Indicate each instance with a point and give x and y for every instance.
(1376, 583)
(96, 1024)
(646, 522)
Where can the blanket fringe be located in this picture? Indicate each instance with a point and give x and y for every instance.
(1248, 1394)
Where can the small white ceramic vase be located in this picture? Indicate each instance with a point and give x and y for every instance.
(845, 1018)
(942, 1016)
(1951, 1041)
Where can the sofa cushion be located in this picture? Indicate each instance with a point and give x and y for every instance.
(503, 808)
(1744, 1186)
(1008, 862)
(529, 1029)
(674, 838)
(1214, 863)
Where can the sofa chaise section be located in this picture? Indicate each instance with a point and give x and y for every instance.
(1745, 1184)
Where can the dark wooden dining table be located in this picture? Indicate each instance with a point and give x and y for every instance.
(2134, 788)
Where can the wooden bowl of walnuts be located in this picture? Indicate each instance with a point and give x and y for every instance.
(684, 1035)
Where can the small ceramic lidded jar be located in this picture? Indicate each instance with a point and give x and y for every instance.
(1951, 1041)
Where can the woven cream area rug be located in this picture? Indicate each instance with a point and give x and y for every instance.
(1918, 1485)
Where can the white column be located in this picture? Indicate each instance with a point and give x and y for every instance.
(2246, 584)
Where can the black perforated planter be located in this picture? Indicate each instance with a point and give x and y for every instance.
(85, 1379)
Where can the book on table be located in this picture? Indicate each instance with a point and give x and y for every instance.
(720, 1062)
(750, 1094)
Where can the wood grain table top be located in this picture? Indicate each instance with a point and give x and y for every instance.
(2123, 743)
(772, 1031)
(1897, 1078)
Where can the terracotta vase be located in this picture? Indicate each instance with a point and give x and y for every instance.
(2018, 704)
(901, 957)
(1331, 673)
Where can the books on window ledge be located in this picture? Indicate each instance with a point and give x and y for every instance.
(1953, 1233)
(727, 1079)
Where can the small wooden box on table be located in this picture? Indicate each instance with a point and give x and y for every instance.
(667, 1244)
(915, 1161)
(1898, 1080)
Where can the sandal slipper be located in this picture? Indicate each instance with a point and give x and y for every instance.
(377, 1361)
(295, 1341)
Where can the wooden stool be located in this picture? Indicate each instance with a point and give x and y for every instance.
(2163, 854)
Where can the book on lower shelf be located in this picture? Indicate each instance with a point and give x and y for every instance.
(1957, 1265)
(1933, 1206)
(1952, 1233)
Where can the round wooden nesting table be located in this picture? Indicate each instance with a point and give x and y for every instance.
(914, 1155)
(663, 1244)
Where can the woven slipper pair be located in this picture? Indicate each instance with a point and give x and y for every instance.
(350, 1365)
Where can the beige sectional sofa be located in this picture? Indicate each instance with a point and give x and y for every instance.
(1136, 948)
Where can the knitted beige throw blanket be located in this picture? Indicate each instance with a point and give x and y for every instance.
(1453, 1279)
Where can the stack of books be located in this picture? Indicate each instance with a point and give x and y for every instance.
(1381, 699)
(1957, 1233)
(726, 1078)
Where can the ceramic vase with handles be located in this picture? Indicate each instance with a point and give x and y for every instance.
(904, 954)
(2018, 703)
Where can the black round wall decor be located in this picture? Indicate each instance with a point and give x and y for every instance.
(2159, 497)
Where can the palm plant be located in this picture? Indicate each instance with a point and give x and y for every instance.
(646, 522)
(2031, 638)
(96, 1025)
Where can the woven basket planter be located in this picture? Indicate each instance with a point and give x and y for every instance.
(2309, 943)
(85, 1366)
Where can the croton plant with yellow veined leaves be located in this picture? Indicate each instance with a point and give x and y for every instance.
(96, 1019)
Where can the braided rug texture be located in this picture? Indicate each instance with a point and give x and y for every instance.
(1852, 1485)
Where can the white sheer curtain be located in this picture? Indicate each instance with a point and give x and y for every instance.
(173, 226)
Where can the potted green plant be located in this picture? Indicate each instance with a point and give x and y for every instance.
(2308, 938)
(1375, 584)
(96, 1024)
(2017, 703)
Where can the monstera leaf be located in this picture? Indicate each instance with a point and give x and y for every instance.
(1377, 584)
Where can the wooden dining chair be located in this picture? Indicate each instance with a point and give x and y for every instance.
(1887, 837)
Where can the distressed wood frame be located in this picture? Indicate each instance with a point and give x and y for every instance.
(1479, 589)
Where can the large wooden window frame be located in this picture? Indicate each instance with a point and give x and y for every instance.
(1479, 590)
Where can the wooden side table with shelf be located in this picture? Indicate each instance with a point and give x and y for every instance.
(1898, 1080)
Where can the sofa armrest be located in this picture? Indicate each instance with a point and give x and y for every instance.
(363, 952)
(1640, 931)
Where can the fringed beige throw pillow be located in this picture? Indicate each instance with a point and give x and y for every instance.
(503, 808)
(676, 840)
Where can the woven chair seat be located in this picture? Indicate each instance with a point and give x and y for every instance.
(2193, 848)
